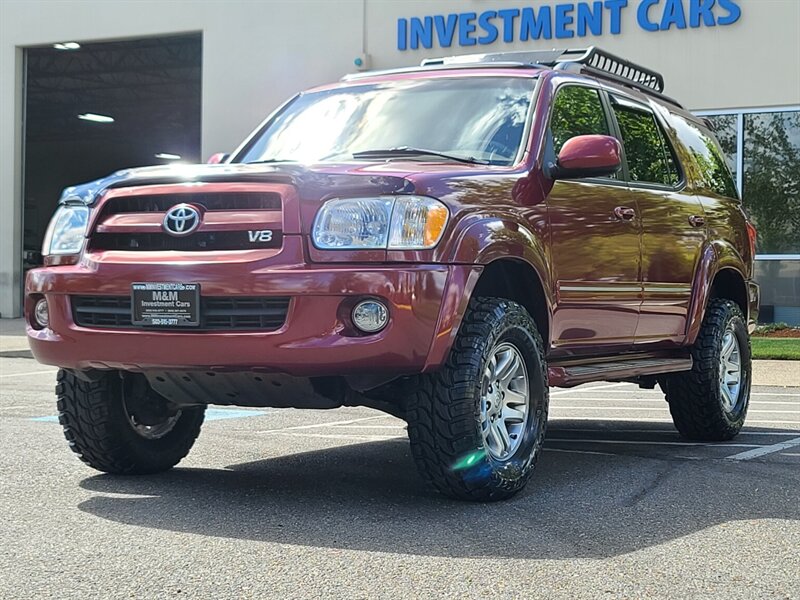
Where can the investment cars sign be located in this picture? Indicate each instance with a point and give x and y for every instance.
(560, 21)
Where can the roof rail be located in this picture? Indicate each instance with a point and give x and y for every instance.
(592, 60)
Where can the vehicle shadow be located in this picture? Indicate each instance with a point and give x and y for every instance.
(369, 497)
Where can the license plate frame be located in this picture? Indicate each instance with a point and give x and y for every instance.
(165, 304)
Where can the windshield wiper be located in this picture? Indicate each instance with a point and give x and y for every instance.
(407, 151)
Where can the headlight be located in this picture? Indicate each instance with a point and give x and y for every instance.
(67, 230)
(387, 222)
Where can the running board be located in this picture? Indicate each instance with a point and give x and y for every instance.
(568, 375)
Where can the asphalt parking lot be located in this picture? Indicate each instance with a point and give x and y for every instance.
(327, 504)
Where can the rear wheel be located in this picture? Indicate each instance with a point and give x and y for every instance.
(709, 403)
(477, 426)
(120, 425)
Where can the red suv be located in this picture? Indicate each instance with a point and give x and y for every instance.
(441, 243)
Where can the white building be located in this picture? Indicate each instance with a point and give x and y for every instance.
(739, 59)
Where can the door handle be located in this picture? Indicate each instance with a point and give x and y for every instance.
(697, 221)
(624, 213)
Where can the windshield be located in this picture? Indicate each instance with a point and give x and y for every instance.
(474, 118)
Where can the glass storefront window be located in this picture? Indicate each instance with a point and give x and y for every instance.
(768, 171)
(763, 148)
(725, 130)
(772, 179)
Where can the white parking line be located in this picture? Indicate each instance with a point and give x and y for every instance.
(660, 420)
(362, 438)
(659, 393)
(579, 451)
(626, 408)
(29, 373)
(671, 431)
(328, 424)
(764, 450)
(369, 426)
(652, 443)
(664, 402)
(589, 389)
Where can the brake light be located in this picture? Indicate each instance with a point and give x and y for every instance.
(751, 236)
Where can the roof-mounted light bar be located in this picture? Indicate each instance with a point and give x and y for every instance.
(591, 61)
(597, 61)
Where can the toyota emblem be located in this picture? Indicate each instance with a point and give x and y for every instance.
(181, 219)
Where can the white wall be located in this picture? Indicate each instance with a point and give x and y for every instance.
(256, 54)
(751, 63)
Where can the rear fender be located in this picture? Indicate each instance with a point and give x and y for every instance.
(715, 257)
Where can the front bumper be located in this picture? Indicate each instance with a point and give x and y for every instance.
(426, 303)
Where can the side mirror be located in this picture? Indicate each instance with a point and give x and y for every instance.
(588, 156)
(219, 157)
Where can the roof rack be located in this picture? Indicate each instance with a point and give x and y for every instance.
(592, 60)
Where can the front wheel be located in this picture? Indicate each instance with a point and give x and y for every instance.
(709, 403)
(121, 425)
(477, 426)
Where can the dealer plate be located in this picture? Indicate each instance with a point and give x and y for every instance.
(165, 304)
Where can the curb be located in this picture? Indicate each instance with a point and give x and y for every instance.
(16, 354)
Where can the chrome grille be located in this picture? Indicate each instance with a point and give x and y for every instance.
(208, 200)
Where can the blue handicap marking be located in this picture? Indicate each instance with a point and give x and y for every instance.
(48, 419)
(212, 414)
(215, 414)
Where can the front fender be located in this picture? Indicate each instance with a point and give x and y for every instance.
(481, 241)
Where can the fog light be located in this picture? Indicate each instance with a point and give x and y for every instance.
(370, 316)
(41, 314)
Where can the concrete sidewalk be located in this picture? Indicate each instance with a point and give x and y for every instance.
(14, 344)
(12, 337)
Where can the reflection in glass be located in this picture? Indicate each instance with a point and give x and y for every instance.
(708, 156)
(725, 130)
(772, 179)
(577, 110)
(649, 158)
(470, 117)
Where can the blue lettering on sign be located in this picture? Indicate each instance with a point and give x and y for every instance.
(445, 28)
(508, 17)
(673, 15)
(614, 7)
(466, 27)
(535, 25)
(563, 20)
(485, 23)
(643, 15)
(590, 16)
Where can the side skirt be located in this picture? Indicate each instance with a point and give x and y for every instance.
(569, 373)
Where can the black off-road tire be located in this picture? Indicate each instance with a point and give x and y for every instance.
(443, 410)
(694, 397)
(97, 427)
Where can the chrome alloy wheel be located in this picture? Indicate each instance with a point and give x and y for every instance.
(730, 370)
(505, 397)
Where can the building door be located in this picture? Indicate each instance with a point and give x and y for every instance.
(94, 108)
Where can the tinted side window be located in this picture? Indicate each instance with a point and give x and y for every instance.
(707, 154)
(649, 157)
(577, 110)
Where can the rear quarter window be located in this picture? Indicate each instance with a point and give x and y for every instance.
(707, 154)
